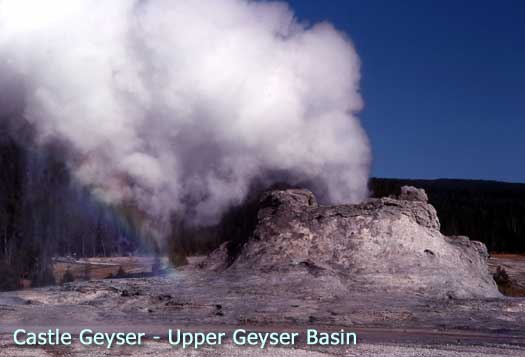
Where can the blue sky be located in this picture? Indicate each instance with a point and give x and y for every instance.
(443, 82)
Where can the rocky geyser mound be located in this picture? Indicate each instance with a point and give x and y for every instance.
(387, 244)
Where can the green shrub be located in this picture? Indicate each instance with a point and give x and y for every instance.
(178, 259)
(121, 273)
(506, 285)
(68, 277)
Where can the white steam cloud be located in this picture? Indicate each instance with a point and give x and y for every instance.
(178, 104)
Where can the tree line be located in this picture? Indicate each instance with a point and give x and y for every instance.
(487, 211)
(45, 213)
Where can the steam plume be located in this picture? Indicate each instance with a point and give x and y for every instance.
(179, 105)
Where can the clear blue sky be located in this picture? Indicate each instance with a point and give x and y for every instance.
(443, 82)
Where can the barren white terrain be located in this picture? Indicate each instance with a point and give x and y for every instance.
(438, 303)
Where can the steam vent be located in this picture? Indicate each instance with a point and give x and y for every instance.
(388, 245)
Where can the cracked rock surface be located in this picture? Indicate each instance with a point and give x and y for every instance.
(381, 268)
(387, 244)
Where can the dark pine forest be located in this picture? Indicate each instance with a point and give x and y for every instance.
(44, 213)
(488, 211)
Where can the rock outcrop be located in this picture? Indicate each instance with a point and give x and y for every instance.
(389, 244)
(409, 193)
